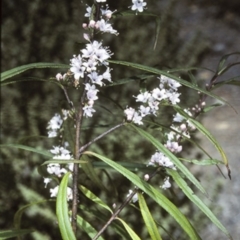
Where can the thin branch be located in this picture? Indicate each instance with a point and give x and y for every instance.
(120, 208)
(67, 97)
(83, 148)
(79, 118)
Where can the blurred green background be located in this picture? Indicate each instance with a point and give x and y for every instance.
(42, 31)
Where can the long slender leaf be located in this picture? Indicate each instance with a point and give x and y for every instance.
(90, 171)
(203, 130)
(204, 162)
(15, 71)
(62, 210)
(10, 233)
(197, 201)
(87, 227)
(154, 194)
(103, 217)
(18, 215)
(148, 219)
(166, 73)
(27, 148)
(132, 234)
(29, 79)
(169, 154)
(131, 166)
(94, 198)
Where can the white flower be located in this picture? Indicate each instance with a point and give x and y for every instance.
(59, 76)
(46, 181)
(173, 146)
(77, 69)
(105, 27)
(60, 152)
(129, 113)
(144, 111)
(178, 118)
(135, 196)
(137, 118)
(89, 11)
(55, 122)
(53, 125)
(102, 55)
(90, 65)
(173, 84)
(100, 0)
(160, 159)
(106, 12)
(55, 168)
(138, 5)
(166, 184)
(54, 192)
(173, 97)
(95, 78)
(143, 97)
(159, 94)
(106, 75)
(88, 111)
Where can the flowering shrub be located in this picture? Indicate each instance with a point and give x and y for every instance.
(88, 73)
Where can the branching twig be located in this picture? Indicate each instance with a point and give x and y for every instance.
(120, 208)
(83, 148)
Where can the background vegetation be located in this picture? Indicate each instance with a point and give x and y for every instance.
(42, 31)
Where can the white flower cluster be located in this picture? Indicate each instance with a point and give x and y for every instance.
(92, 58)
(167, 90)
(103, 24)
(166, 184)
(138, 5)
(57, 170)
(55, 123)
(160, 159)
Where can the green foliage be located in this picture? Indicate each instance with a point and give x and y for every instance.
(102, 182)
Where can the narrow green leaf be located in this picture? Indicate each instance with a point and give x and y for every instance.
(223, 61)
(208, 108)
(87, 227)
(94, 198)
(131, 166)
(148, 219)
(103, 217)
(204, 162)
(166, 73)
(130, 79)
(10, 233)
(171, 156)
(197, 201)
(62, 210)
(18, 215)
(157, 31)
(29, 79)
(63, 161)
(132, 234)
(154, 194)
(15, 71)
(233, 81)
(203, 130)
(31, 149)
(89, 170)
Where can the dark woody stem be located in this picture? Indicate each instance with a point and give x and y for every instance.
(77, 155)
